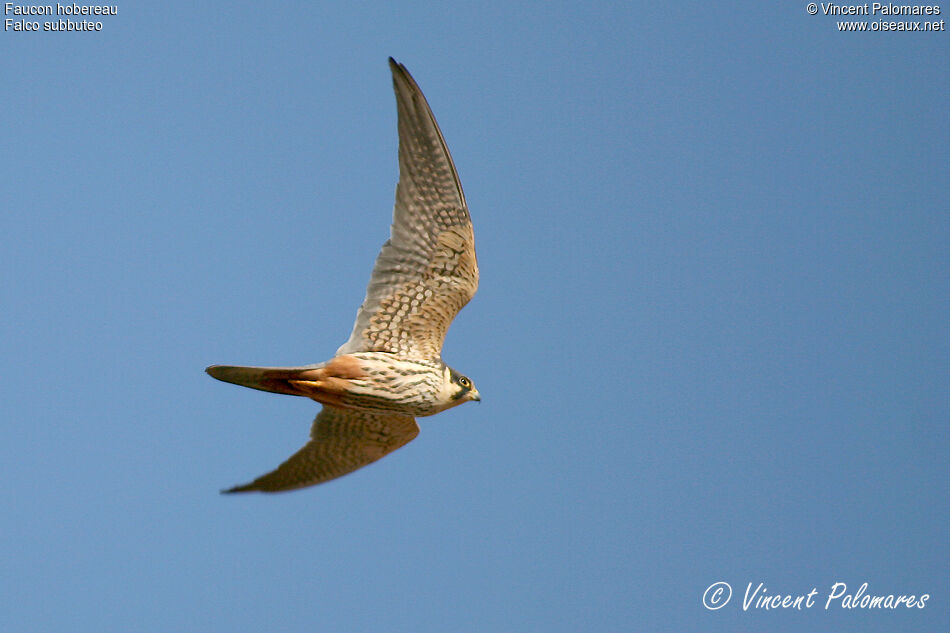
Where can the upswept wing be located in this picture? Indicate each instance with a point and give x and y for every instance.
(427, 270)
(341, 441)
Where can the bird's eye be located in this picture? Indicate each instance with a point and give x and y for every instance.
(465, 382)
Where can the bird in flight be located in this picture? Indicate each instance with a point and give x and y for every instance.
(390, 371)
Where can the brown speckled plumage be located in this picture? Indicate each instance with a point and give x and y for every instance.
(390, 370)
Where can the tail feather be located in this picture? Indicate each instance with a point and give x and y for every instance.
(273, 379)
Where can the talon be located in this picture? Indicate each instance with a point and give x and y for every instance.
(306, 387)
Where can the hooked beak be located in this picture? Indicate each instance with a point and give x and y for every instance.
(473, 395)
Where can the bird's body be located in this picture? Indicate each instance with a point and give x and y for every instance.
(372, 381)
(390, 371)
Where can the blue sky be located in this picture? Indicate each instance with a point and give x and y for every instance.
(711, 336)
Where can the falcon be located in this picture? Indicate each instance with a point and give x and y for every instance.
(390, 371)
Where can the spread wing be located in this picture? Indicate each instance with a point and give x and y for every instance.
(341, 441)
(427, 271)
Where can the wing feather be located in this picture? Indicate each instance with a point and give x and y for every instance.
(427, 270)
(341, 441)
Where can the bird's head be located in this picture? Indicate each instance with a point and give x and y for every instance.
(457, 389)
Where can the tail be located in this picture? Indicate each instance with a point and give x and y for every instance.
(274, 379)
